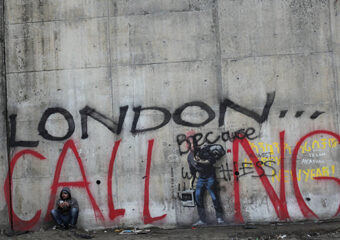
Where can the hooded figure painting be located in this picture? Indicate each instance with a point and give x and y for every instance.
(201, 161)
(66, 211)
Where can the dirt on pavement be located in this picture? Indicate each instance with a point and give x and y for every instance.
(298, 230)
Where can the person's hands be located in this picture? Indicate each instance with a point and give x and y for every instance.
(202, 161)
(63, 204)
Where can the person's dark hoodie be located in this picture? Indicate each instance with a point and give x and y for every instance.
(211, 152)
(73, 203)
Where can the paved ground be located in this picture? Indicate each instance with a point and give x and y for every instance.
(303, 230)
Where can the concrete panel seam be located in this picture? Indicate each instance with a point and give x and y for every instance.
(334, 68)
(102, 17)
(218, 51)
(158, 63)
(114, 65)
(161, 12)
(55, 69)
(276, 55)
(109, 52)
(4, 95)
(56, 20)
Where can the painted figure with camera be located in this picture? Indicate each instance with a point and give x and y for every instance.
(201, 161)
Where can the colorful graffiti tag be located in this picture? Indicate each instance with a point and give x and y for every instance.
(265, 161)
(23, 225)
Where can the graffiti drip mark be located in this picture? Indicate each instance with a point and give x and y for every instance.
(316, 114)
(298, 114)
(283, 113)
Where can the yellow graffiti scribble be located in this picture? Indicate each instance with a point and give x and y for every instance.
(306, 146)
(277, 147)
(323, 143)
(252, 145)
(332, 142)
(289, 148)
(261, 144)
(304, 174)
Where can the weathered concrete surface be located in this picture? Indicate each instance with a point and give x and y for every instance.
(113, 56)
(4, 222)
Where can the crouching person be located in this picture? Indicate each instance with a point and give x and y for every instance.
(66, 211)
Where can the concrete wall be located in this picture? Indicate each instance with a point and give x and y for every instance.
(4, 220)
(74, 68)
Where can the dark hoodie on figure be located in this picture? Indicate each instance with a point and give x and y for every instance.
(73, 203)
(211, 152)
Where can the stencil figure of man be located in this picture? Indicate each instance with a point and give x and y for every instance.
(202, 161)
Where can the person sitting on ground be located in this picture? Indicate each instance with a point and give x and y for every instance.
(66, 211)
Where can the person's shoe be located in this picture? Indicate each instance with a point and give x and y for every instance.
(60, 227)
(199, 223)
(71, 226)
(220, 221)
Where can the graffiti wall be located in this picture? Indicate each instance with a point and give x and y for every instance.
(168, 112)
